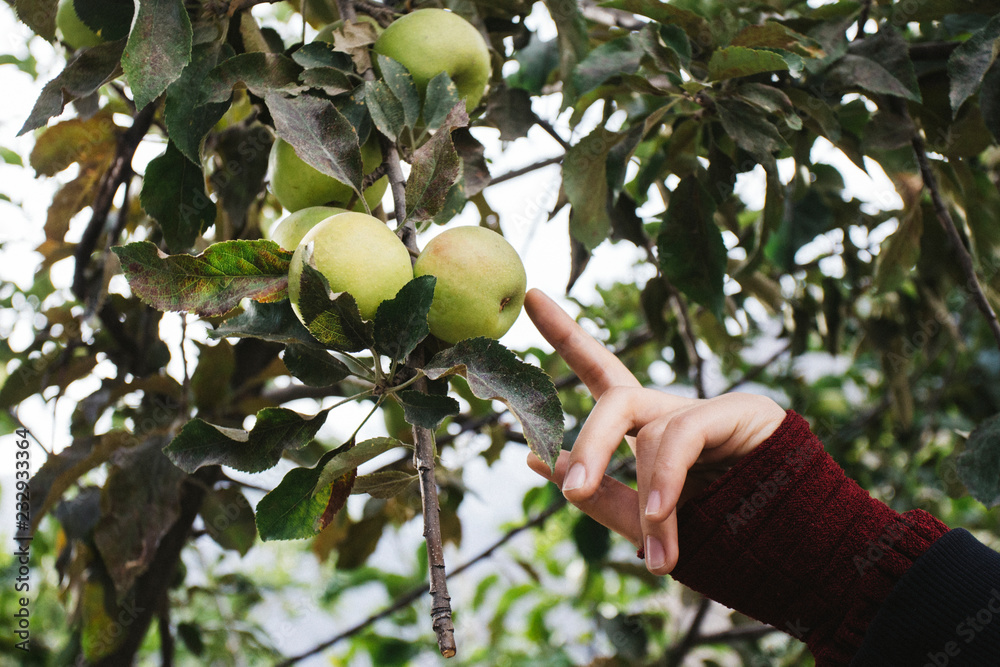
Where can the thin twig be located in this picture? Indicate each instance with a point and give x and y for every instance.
(547, 126)
(972, 283)
(514, 173)
(866, 7)
(754, 372)
(691, 637)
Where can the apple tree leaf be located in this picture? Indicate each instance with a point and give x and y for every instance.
(202, 444)
(349, 458)
(440, 98)
(173, 194)
(398, 80)
(188, 120)
(77, 140)
(696, 27)
(111, 19)
(573, 41)
(316, 368)
(320, 134)
(274, 322)
(735, 61)
(83, 76)
(333, 319)
(158, 48)
(494, 373)
(979, 465)
(585, 182)
(295, 509)
(39, 15)
(211, 283)
(427, 410)
(968, 63)
(690, 249)
(262, 73)
(386, 110)
(229, 519)
(436, 168)
(384, 483)
(618, 56)
(750, 129)
(401, 322)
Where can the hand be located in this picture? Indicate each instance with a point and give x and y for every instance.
(681, 444)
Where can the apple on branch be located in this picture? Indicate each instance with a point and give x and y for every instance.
(288, 231)
(480, 283)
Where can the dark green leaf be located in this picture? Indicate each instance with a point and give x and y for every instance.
(989, 100)
(586, 184)
(387, 112)
(140, 503)
(401, 322)
(509, 110)
(187, 120)
(397, 78)
(335, 467)
(316, 368)
(190, 634)
(619, 56)
(229, 519)
(810, 216)
(241, 156)
(173, 194)
(295, 509)
(690, 248)
(158, 48)
(262, 73)
(274, 322)
(427, 410)
(493, 372)
(211, 283)
(384, 483)
(979, 464)
(39, 15)
(320, 134)
(83, 76)
(734, 61)
(592, 540)
(322, 55)
(333, 319)
(573, 43)
(750, 129)
(328, 79)
(968, 64)
(440, 99)
(697, 28)
(201, 444)
(436, 167)
(535, 63)
(111, 19)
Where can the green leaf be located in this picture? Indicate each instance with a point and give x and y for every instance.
(384, 483)
(158, 48)
(262, 73)
(320, 134)
(333, 319)
(979, 465)
(989, 100)
(535, 63)
(810, 216)
(316, 368)
(401, 322)
(229, 519)
(879, 63)
(387, 112)
(691, 252)
(619, 56)
(10, 157)
(211, 283)
(750, 129)
(440, 99)
(773, 35)
(350, 458)
(241, 154)
(573, 41)
(427, 410)
(111, 19)
(274, 322)
(900, 252)
(585, 181)
(322, 55)
(202, 444)
(173, 193)
(187, 119)
(734, 61)
(83, 76)
(969, 63)
(696, 27)
(400, 83)
(494, 373)
(436, 167)
(296, 510)
(39, 15)
(593, 541)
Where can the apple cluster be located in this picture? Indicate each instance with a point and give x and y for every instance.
(480, 278)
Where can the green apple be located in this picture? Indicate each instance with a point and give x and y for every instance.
(296, 184)
(480, 283)
(74, 31)
(356, 253)
(288, 231)
(430, 41)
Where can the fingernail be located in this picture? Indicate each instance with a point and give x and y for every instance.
(653, 502)
(575, 478)
(655, 557)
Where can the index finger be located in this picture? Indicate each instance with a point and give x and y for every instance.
(590, 360)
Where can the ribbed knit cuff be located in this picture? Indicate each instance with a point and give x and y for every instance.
(785, 537)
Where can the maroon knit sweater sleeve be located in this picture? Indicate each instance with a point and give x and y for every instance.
(785, 537)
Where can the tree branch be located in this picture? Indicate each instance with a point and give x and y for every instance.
(972, 283)
(690, 640)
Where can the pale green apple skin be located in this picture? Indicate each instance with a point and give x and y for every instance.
(297, 185)
(288, 231)
(74, 31)
(356, 253)
(480, 283)
(430, 41)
